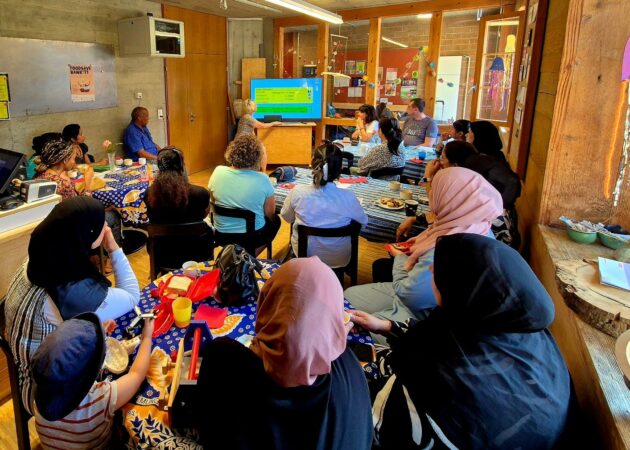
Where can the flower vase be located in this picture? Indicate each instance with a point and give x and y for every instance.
(111, 158)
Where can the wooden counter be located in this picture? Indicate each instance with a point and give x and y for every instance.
(589, 352)
(289, 143)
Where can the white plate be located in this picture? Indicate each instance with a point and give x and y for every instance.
(622, 353)
(378, 203)
(116, 356)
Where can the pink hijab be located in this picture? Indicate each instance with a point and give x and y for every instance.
(463, 202)
(299, 328)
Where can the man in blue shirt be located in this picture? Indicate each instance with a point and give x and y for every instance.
(138, 140)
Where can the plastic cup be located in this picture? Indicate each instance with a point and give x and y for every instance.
(182, 311)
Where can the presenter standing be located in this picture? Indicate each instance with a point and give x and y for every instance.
(247, 123)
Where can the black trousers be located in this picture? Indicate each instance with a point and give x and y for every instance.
(382, 270)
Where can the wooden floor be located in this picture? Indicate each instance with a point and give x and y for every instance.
(368, 252)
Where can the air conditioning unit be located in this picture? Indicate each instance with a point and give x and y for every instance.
(151, 36)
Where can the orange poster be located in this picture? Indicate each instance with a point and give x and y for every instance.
(81, 82)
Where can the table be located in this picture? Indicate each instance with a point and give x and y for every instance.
(382, 223)
(414, 169)
(126, 192)
(148, 426)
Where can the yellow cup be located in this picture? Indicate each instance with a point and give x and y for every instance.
(182, 310)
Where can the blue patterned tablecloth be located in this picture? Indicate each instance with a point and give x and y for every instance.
(148, 426)
(382, 223)
(125, 191)
(413, 170)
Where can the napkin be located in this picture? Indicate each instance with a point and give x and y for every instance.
(353, 180)
(417, 161)
(214, 317)
(287, 185)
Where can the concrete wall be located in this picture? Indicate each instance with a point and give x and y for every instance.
(245, 40)
(91, 21)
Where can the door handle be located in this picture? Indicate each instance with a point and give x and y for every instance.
(192, 117)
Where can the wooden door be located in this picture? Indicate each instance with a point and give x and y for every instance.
(197, 90)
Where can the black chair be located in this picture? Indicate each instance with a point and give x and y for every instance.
(21, 415)
(349, 157)
(352, 230)
(387, 172)
(245, 240)
(192, 241)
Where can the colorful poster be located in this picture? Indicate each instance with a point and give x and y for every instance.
(360, 67)
(392, 74)
(5, 93)
(408, 88)
(4, 111)
(81, 82)
(350, 67)
(390, 82)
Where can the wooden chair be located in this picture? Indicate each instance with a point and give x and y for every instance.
(161, 233)
(352, 230)
(21, 415)
(387, 172)
(246, 240)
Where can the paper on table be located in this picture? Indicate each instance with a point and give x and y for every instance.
(341, 185)
(614, 273)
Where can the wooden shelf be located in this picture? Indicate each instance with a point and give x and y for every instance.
(339, 121)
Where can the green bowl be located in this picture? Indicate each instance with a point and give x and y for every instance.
(611, 241)
(582, 237)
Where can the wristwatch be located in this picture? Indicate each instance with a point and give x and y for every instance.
(426, 180)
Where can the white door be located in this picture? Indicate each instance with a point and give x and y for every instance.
(447, 90)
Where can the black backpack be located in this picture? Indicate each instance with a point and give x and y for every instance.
(238, 283)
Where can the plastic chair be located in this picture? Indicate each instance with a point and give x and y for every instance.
(21, 415)
(353, 229)
(160, 234)
(387, 172)
(246, 240)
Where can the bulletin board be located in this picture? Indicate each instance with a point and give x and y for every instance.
(40, 77)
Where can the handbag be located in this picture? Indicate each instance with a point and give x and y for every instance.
(284, 173)
(237, 284)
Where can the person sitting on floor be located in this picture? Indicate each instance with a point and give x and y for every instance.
(323, 205)
(171, 199)
(482, 371)
(388, 154)
(73, 409)
(242, 185)
(366, 124)
(137, 138)
(38, 144)
(462, 202)
(58, 281)
(247, 124)
(56, 159)
(74, 134)
(304, 389)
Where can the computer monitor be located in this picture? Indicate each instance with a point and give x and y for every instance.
(10, 163)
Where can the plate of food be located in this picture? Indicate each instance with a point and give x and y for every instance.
(390, 203)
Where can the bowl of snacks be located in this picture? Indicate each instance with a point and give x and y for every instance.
(580, 232)
(612, 240)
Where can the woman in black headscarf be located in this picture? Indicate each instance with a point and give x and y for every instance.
(58, 281)
(482, 371)
(486, 139)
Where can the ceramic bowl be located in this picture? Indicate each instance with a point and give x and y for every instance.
(582, 237)
(613, 242)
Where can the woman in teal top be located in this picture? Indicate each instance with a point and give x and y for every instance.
(241, 184)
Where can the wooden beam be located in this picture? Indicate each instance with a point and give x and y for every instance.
(278, 51)
(433, 56)
(322, 66)
(406, 9)
(374, 51)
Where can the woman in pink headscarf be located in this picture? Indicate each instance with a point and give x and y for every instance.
(296, 386)
(462, 202)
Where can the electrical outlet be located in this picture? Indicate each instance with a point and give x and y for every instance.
(138, 95)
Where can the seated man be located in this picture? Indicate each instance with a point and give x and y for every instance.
(137, 138)
(419, 129)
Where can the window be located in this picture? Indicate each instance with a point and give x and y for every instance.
(300, 51)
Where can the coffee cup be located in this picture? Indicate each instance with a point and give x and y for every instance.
(72, 173)
(411, 207)
(191, 269)
(142, 161)
(128, 162)
(346, 140)
(119, 161)
(406, 194)
(394, 185)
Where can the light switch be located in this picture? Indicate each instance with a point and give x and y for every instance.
(160, 113)
(138, 95)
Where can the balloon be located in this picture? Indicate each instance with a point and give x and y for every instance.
(398, 81)
(416, 57)
(432, 65)
(408, 65)
(414, 74)
(450, 84)
(365, 77)
(440, 80)
(371, 85)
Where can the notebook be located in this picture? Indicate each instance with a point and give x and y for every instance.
(614, 273)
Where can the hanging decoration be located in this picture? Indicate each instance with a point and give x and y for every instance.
(497, 82)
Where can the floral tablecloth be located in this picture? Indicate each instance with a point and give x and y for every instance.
(147, 425)
(125, 191)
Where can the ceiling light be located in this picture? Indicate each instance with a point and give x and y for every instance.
(247, 2)
(424, 16)
(309, 10)
(391, 41)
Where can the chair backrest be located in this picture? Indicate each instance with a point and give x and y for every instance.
(387, 172)
(162, 232)
(248, 216)
(349, 157)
